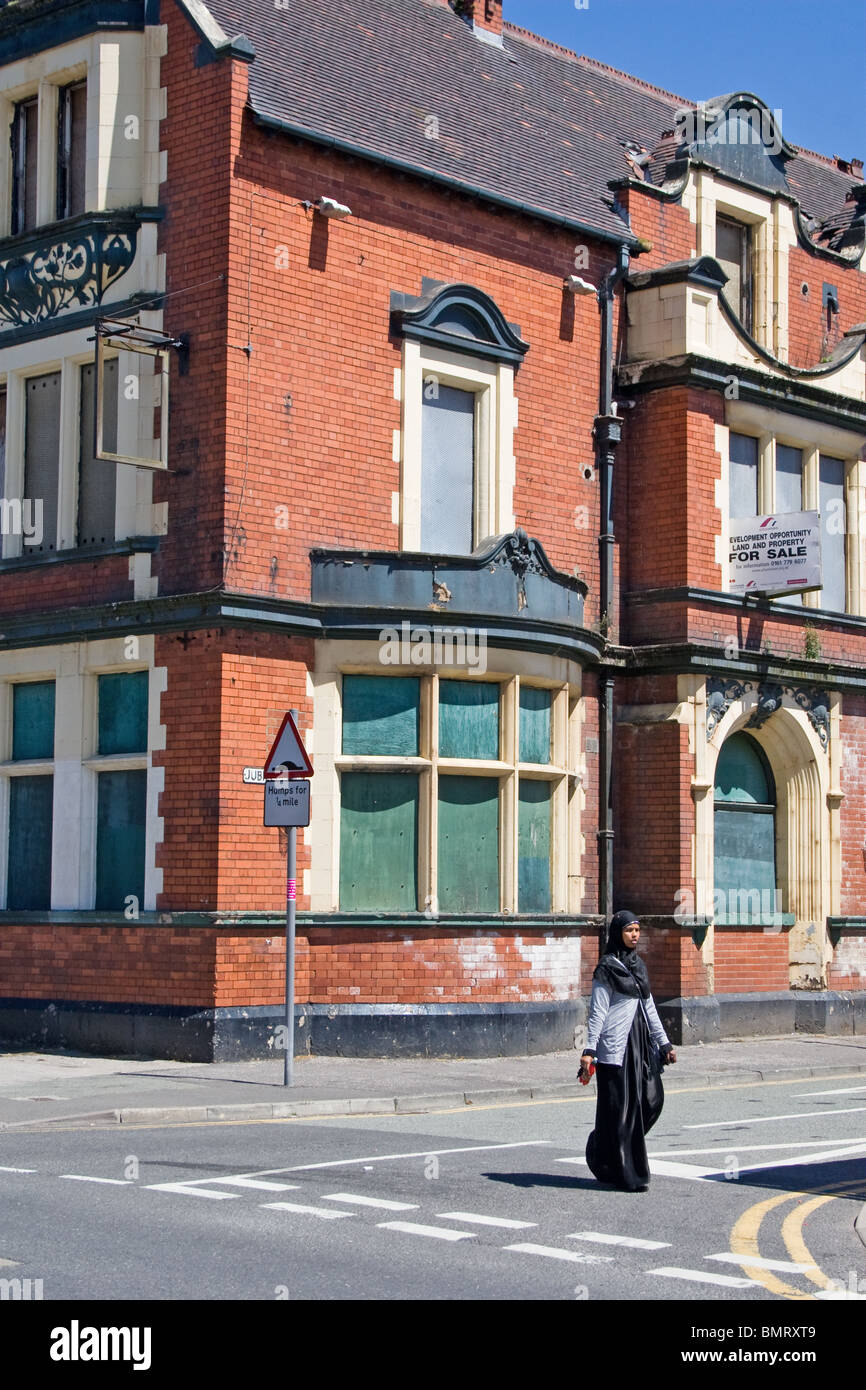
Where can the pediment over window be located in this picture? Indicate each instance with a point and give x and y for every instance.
(740, 136)
(461, 318)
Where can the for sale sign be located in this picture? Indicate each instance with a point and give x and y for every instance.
(775, 555)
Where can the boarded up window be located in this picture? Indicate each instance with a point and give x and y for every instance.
(534, 725)
(379, 842)
(533, 847)
(734, 255)
(380, 715)
(745, 841)
(71, 149)
(33, 720)
(120, 838)
(833, 525)
(97, 478)
(25, 134)
(28, 879)
(789, 489)
(42, 453)
(468, 720)
(743, 479)
(123, 713)
(447, 470)
(468, 844)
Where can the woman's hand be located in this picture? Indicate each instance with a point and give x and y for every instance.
(583, 1075)
(671, 1055)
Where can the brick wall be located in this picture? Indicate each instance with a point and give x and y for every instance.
(134, 964)
(810, 339)
(750, 960)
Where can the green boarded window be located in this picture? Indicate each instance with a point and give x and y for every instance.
(744, 832)
(120, 839)
(381, 715)
(469, 720)
(379, 842)
(123, 713)
(28, 881)
(33, 720)
(534, 725)
(533, 847)
(468, 844)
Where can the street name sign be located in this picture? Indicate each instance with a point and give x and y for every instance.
(287, 802)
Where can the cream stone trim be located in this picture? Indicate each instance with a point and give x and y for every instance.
(808, 840)
(493, 386)
(334, 659)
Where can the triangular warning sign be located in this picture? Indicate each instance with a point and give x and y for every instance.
(288, 756)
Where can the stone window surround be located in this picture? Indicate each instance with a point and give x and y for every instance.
(122, 73)
(335, 659)
(709, 194)
(771, 427)
(135, 515)
(74, 668)
(492, 384)
(808, 815)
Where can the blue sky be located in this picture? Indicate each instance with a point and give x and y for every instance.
(803, 57)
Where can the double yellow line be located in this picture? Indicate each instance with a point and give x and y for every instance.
(744, 1238)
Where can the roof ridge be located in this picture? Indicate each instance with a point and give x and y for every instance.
(595, 62)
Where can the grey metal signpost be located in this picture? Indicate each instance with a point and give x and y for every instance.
(287, 803)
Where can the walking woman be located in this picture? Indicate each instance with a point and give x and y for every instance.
(624, 1040)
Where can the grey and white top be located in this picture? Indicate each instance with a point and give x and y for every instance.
(610, 1018)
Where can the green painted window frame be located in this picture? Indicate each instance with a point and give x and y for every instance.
(432, 767)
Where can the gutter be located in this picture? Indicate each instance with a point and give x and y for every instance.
(402, 166)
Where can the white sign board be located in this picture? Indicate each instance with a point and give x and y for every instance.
(775, 555)
(287, 803)
(253, 774)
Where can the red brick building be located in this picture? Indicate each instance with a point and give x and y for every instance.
(475, 351)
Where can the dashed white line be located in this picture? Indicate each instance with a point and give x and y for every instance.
(843, 1091)
(785, 1266)
(19, 1170)
(188, 1191)
(114, 1182)
(475, 1219)
(634, 1242)
(662, 1168)
(370, 1201)
(700, 1276)
(388, 1158)
(411, 1228)
(323, 1212)
(554, 1253)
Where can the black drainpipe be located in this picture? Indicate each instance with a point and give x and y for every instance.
(608, 433)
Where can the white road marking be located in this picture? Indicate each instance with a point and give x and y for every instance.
(323, 1212)
(662, 1169)
(843, 1091)
(186, 1190)
(700, 1276)
(600, 1238)
(370, 1201)
(257, 1183)
(770, 1119)
(474, 1219)
(805, 1160)
(387, 1158)
(114, 1182)
(750, 1148)
(842, 1294)
(553, 1253)
(438, 1232)
(786, 1266)
(19, 1170)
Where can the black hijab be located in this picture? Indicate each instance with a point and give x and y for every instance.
(621, 968)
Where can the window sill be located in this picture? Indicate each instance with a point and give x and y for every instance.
(132, 545)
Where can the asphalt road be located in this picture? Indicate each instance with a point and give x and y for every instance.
(754, 1196)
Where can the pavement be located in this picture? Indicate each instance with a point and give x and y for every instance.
(40, 1090)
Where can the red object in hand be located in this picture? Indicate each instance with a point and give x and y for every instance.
(585, 1080)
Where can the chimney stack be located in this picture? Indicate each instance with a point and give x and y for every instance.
(483, 15)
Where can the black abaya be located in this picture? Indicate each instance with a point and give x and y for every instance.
(630, 1100)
